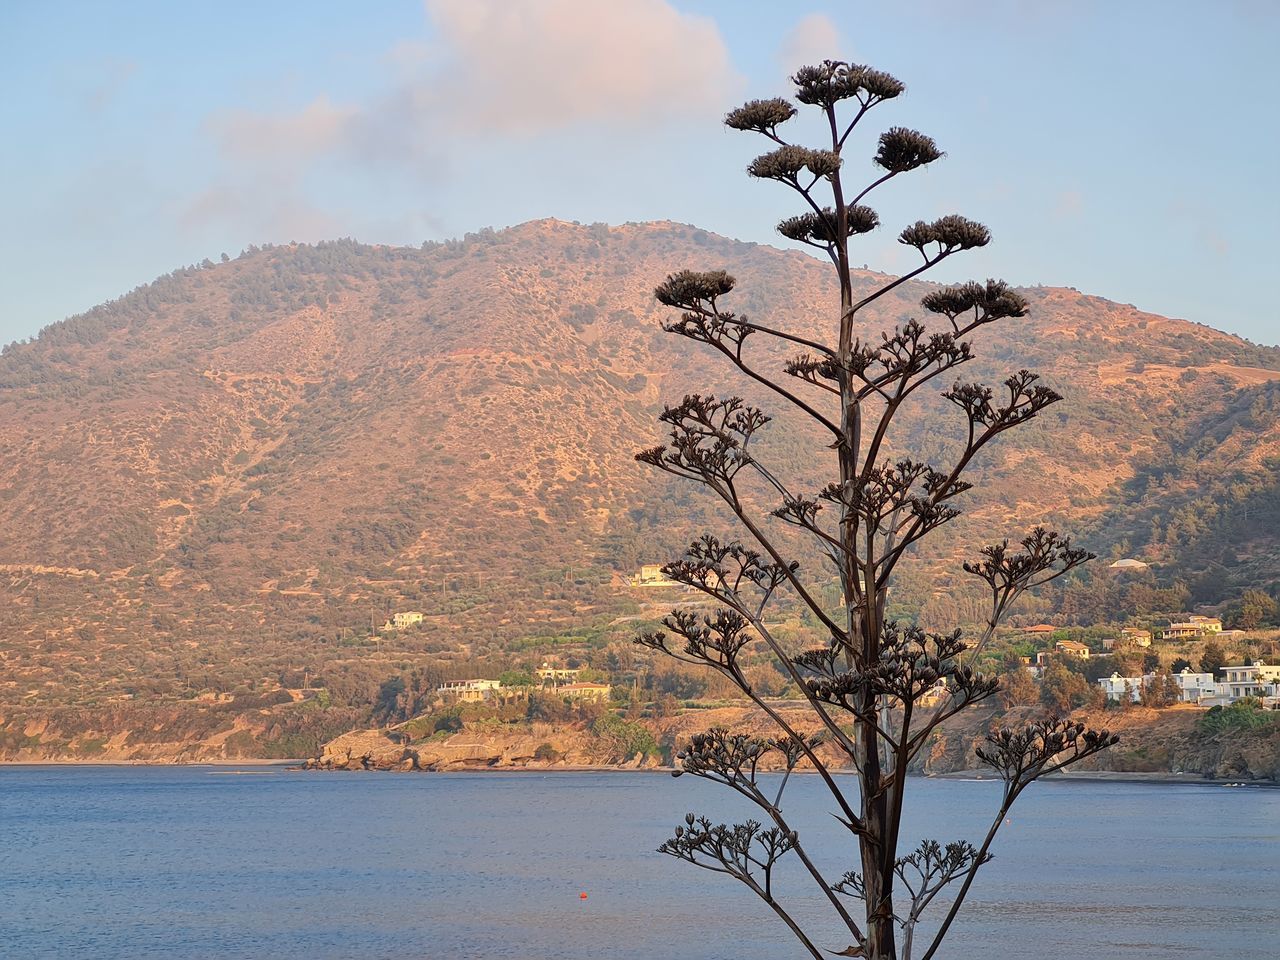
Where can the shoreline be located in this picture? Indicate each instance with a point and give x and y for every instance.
(252, 762)
(1083, 776)
(1114, 776)
(299, 764)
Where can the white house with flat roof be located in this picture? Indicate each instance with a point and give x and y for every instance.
(1196, 687)
(1255, 679)
(1192, 687)
(1117, 688)
(469, 691)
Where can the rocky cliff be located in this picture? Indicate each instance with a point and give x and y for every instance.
(1167, 741)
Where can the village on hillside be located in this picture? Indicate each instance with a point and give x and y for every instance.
(1186, 659)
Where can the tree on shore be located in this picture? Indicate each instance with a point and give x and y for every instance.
(867, 686)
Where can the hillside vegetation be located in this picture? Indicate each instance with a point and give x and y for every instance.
(221, 482)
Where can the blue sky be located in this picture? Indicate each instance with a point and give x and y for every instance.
(1126, 149)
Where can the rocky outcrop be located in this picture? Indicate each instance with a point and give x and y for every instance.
(484, 747)
(281, 725)
(1169, 741)
(539, 745)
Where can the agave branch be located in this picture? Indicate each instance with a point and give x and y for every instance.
(717, 640)
(726, 333)
(931, 260)
(986, 420)
(1040, 748)
(1044, 556)
(934, 867)
(802, 512)
(1020, 757)
(908, 358)
(710, 443)
(697, 293)
(814, 605)
(923, 873)
(733, 760)
(729, 572)
(745, 852)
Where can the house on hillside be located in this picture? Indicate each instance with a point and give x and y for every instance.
(1192, 627)
(1255, 679)
(1136, 635)
(935, 694)
(404, 620)
(1128, 565)
(1072, 648)
(1040, 629)
(1196, 687)
(1118, 688)
(469, 691)
(651, 575)
(586, 692)
(552, 676)
(1192, 687)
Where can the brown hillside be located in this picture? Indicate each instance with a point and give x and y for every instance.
(224, 477)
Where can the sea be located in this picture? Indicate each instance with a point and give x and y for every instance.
(213, 863)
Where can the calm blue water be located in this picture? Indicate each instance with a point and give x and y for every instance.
(202, 862)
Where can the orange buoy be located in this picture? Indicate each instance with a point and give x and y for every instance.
(582, 895)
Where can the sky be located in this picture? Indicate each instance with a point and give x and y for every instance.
(1123, 148)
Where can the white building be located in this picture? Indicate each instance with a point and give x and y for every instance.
(1247, 680)
(1117, 688)
(1129, 565)
(1255, 679)
(469, 690)
(1192, 687)
(1196, 687)
(549, 674)
(403, 620)
(651, 575)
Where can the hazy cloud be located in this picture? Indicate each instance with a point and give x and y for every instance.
(1069, 205)
(812, 40)
(525, 68)
(115, 75)
(261, 209)
(281, 139)
(1202, 223)
(494, 69)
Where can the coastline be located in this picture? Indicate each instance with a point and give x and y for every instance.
(1116, 776)
(263, 765)
(1084, 776)
(251, 762)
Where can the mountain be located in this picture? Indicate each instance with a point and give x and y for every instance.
(212, 487)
